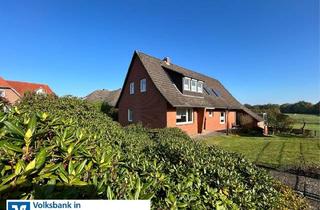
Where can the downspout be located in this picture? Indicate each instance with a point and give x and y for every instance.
(227, 120)
(203, 118)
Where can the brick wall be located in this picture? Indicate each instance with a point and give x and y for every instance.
(213, 123)
(148, 107)
(190, 129)
(232, 118)
(246, 121)
(10, 95)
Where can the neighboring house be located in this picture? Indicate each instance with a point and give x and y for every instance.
(160, 94)
(13, 91)
(109, 96)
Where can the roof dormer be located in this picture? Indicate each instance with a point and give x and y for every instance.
(192, 86)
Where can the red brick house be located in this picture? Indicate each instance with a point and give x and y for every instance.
(13, 91)
(158, 94)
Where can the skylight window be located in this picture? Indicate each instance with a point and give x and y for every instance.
(208, 91)
(211, 91)
(216, 92)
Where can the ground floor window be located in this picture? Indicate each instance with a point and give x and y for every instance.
(2, 93)
(184, 115)
(130, 115)
(222, 117)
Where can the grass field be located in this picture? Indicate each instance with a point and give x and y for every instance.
(312, 121)
(275, 152)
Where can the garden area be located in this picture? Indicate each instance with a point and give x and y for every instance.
(275, 152)
(300, 119)
(64, 148)
(312, 122)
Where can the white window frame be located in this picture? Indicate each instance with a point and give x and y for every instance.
(194, 87)
(143, 85)
(210, 113)
(200, 90)
(131, 88)
(187, 116)
(223, 118)
(130, 115)
(189, 83)
(2, 93)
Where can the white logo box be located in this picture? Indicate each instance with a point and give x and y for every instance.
(79, 204)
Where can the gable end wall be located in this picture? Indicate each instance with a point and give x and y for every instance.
(149, 108)
(10, 95)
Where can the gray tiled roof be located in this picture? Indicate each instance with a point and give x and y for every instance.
(156, 70)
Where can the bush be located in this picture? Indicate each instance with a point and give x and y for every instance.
(109, 110)
(54, 148)
(301, 107)
(106, 108)
(280, 123)
(4, 104)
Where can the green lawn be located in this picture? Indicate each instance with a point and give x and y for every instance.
(276, 152)
(312, 121)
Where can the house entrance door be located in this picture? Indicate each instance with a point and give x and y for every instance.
(201, 113)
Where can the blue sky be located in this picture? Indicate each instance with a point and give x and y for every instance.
(262, 51)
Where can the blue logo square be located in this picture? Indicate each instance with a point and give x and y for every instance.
(18, 205)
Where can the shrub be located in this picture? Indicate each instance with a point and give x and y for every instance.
(289, 199)
(4, 104)
(109, 110)
(106, 108)
(63, 148)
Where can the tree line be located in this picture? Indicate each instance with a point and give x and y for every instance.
(301, 107)
(277, 119)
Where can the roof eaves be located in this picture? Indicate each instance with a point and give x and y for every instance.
(155, 84)
(126, 78)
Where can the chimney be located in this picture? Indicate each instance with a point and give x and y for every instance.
(167, 60)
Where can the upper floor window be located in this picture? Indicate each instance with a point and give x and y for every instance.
(130, 115)
(184, 116)
(200, 87)
(222, 117)
(186, 83)
(143, 85)
(210, 113)
(131, 88)
(194, 85)
(2, 93)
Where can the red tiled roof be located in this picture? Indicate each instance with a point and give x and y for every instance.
(23, 87)
(4, 83)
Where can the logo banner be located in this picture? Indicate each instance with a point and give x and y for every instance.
(79, 204)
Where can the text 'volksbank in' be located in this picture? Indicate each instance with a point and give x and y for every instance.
(78, 204)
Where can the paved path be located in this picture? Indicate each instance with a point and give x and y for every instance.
(308, 187)
(207, 135)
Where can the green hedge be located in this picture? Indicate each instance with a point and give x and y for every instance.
(53, 148)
